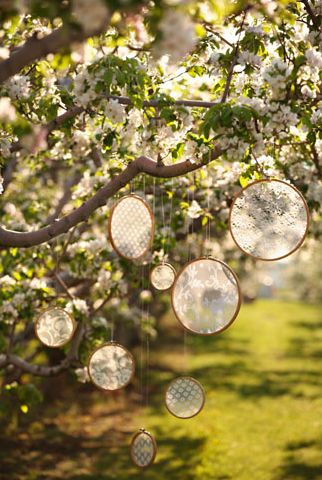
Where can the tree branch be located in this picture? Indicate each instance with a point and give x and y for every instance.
(36, 48)
(311, 14)
(10, 238)
(46, 370)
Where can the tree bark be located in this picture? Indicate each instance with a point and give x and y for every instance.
(10, 238)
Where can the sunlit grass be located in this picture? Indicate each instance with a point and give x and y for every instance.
(262, 418)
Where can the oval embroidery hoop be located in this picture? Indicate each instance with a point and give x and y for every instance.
(125, 230)
(134, 454)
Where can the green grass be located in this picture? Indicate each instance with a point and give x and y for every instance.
(262, 418)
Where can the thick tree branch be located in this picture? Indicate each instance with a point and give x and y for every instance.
(36, 48)
(10, 238)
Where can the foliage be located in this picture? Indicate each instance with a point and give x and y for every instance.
(260, 65)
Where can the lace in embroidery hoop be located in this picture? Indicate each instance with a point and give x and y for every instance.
(163, 276)
(143, 449)
(269, 219)
(131, 227)
(185, 397)
(206, 296)
(55, 327)
(111, 366)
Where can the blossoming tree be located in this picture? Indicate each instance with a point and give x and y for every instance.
(183, 102)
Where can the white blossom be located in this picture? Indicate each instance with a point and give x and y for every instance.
(19, 87)
(178, 36)
(314, 58)
(194, 210)
(7, 110)
(114, 111)
(90, 14)
(82, 374)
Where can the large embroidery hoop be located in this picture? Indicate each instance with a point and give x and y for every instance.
(131, 227)
(180, 309)
(50, 324)
(183, 390)
(141, 441)
(97, 356)
(247, 217)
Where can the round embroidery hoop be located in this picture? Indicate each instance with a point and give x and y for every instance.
(189, 381)
(153, 444)
(69, 318)
(115, 239)
(295, 194)
(130, 358)
(229, 273)
(154, 279)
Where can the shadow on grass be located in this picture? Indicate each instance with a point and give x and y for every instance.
(296, 466)
(60, 456)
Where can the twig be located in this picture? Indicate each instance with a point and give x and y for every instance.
(233, 63)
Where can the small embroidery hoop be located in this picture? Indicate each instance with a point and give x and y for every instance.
(160, 265)
(37, 322)
(154, 443)
(192, 379)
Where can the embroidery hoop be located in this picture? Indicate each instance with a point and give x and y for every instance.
(148, 208)
(297, 246)
(38, 320)
(128, 353)
(158, 266)
(228, 324)
(193, 380)
(154, 444)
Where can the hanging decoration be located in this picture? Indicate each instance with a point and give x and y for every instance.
(111, 366)
(143, 449)
(162, 276)
(55, 327)
(206, 296)
(269, 219)
(185, 397)
(131, 227)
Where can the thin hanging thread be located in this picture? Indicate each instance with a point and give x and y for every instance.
(168, 233)
(208, 226)
(141, 336)
(112, 330)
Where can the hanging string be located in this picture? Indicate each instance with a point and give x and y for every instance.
(208, 224)
(112, 330)
(141, 336)
(168, 234)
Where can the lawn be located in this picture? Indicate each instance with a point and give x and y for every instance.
(262, 419)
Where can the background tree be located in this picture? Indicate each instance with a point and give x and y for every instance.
(182, 102)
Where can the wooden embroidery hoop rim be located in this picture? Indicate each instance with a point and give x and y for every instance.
(192, 379)
(160, 265)
(154, 443)
(233, 318)
(150, 243)
(49, 309)
(110, 344)
(297, 246)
